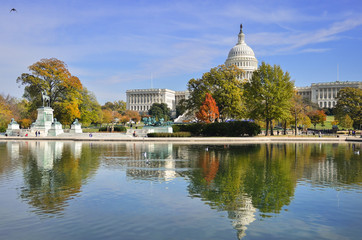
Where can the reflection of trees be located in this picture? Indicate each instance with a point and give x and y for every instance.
(270, 180)
(48, 188)
(264, 176)
(247, 177)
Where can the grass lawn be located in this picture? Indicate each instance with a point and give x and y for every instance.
(327, 123)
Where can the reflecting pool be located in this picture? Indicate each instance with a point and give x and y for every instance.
(75, 190)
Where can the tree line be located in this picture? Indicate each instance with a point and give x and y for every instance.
(68, 97)
(268, 98)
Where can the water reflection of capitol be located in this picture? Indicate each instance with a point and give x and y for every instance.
(157, 164)
(167, 162)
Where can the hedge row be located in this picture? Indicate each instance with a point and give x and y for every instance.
(177, 134)
(223, 129)
(116, 129)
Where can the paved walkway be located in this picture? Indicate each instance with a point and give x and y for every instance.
(121, 137)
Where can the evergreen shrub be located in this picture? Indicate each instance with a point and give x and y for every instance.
(222, 129)
(177, 134)
(116, 129)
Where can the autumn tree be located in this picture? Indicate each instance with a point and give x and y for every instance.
(5, 113)
(133, 115)
(160, 110)
(11, 107)
(208, 111)
(317, 116)
(224, 85)
(350, 103)
(67, 95)
(53, 77)
(124, 119)
(299, 111)
(268, 95)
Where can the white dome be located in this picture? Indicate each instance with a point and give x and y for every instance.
(242, 56)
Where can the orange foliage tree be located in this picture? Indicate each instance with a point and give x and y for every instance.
(133, 115)
(317, 116)
(208, 111)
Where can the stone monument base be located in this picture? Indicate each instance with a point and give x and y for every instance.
(13, 128)
(55, 129)
(76, 127)
(44, 121)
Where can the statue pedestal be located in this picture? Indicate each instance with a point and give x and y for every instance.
(13, 128)
(55, 129)
(76, 127)
(44, 120)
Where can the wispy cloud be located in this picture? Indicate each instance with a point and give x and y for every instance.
(123, 42)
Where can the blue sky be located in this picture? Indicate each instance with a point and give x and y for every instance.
(114, 45)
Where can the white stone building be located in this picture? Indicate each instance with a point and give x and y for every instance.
(141, 100)
(242, 56)
(325, 94)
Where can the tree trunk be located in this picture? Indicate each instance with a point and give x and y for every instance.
(285, 127)
(271, 128)
(266, 127)
(295, 124)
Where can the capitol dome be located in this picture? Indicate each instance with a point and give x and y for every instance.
(242, 56)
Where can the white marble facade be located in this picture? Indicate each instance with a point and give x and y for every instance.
(141, 100)
(325, 94)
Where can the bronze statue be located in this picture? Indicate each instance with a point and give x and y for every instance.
(45, 98)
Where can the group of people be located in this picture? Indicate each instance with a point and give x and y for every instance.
(353, 133)
(37, 133)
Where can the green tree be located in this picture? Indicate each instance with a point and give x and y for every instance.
(90, 110)
(119, 106)
(346, 122)
(181, 107)
(224, 85)
(268, 95)
(350, 103)
(160, 110)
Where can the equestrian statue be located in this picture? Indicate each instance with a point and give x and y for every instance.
(45, 98)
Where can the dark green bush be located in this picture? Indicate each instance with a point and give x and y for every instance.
(222, 129)
(116, 129)
(175, 128)
(177, 134)
(2, 129)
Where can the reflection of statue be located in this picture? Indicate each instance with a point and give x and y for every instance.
(45, 98)
(52, 175)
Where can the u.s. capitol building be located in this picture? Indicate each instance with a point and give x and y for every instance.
(240, 55)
